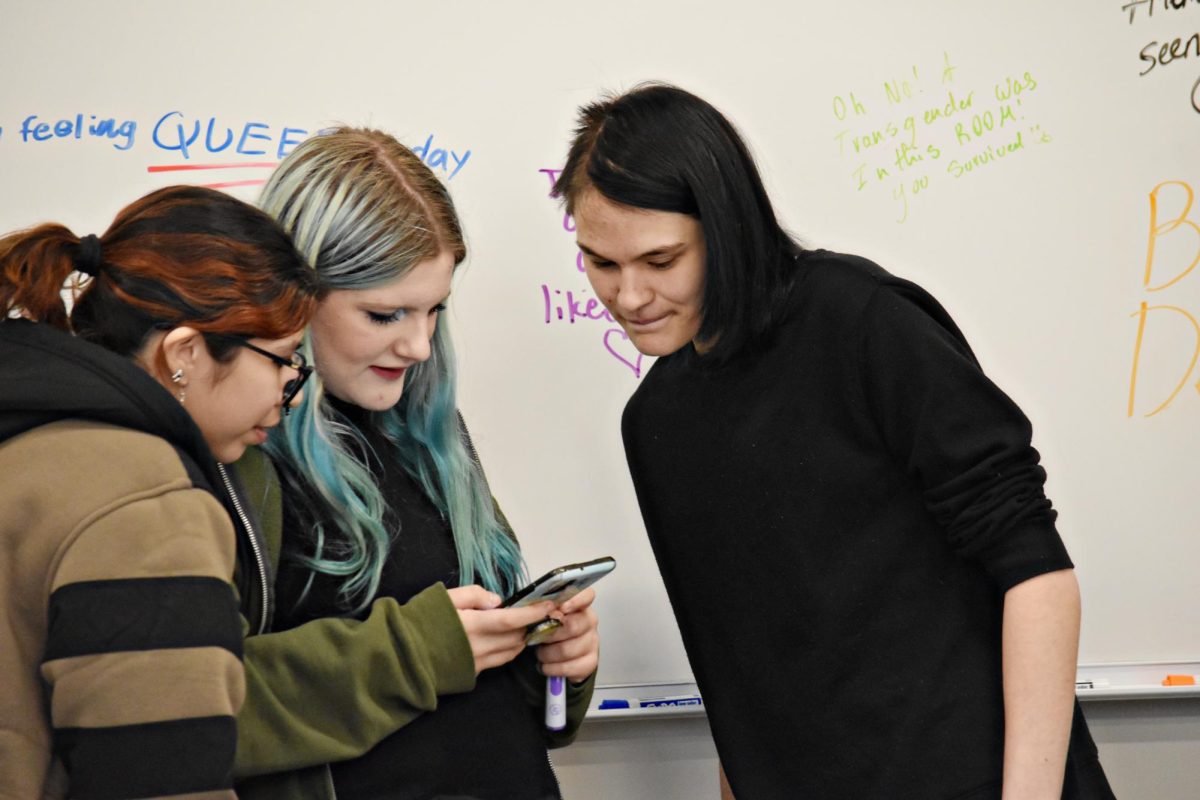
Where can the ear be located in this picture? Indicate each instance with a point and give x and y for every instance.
(184, 349)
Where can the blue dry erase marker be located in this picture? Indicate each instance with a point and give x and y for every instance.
(651, 702)
(556, 703)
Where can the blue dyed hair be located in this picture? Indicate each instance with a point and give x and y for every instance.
(364, 210)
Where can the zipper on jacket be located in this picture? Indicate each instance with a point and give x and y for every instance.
(329, 787)
(466, 437)
(554, 775)
(259, 560)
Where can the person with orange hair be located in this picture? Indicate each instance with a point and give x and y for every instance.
(120, 641)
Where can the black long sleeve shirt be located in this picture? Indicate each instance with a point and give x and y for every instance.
(837, 515)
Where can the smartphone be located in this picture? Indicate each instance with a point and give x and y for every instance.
(561, 584)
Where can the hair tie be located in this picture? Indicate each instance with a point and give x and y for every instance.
(89, 260)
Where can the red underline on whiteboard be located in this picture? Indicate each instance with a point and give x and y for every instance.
(227, 184)
(183, 167)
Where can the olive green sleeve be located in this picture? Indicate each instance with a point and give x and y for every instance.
(306, 705)
(331, 689)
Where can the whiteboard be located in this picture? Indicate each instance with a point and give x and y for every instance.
(1002, 155)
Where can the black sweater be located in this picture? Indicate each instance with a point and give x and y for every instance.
(485, 744)
(836, 515)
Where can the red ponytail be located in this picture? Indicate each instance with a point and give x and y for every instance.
(34, 265)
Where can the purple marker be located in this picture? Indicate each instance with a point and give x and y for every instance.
(556, 703)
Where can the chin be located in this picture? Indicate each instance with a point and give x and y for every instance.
(230, 453)
(374, 401)
(656, 346)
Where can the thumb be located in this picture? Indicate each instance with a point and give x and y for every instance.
(473, 597)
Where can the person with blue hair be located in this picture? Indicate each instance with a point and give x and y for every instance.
(383, 665)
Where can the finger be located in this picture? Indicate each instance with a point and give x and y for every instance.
(570, 629)
(498, 658)
(574, 625)
(512, 642)
(504, 620)
(568, 650)
(577, 670)
(525, 616)
(484, 635)
(473, 597)
(579, 602)
(497, 644)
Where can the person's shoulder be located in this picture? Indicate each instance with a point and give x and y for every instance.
(118, 459)
(852, 284)
(829, 293)
(78, 478)
(821, 272)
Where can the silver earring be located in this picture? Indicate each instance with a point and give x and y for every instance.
(177, 378)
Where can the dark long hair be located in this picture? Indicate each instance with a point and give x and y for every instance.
(661, 148)
(183, 255)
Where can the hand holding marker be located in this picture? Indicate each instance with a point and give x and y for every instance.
(559, 585)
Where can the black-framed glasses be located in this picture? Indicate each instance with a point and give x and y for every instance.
(297, 362)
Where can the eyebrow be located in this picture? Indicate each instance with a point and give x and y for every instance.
(658, 251)
(370, 305)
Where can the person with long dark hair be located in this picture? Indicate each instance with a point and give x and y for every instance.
(120, 642)
(387, 669)
(848, 515)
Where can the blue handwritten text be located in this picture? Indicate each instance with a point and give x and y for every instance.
(76, 128)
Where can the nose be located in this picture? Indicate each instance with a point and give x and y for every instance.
(413, 341)
(633, 290)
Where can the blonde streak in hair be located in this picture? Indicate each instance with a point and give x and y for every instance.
(274, 201)
(351, 246)
(313, 223)
(336, 210)
(307, 216)
(289, 189)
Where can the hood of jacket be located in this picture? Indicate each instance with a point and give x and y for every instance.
(48, 375)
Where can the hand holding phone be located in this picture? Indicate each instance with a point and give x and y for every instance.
(496, 635)
(559, 585)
